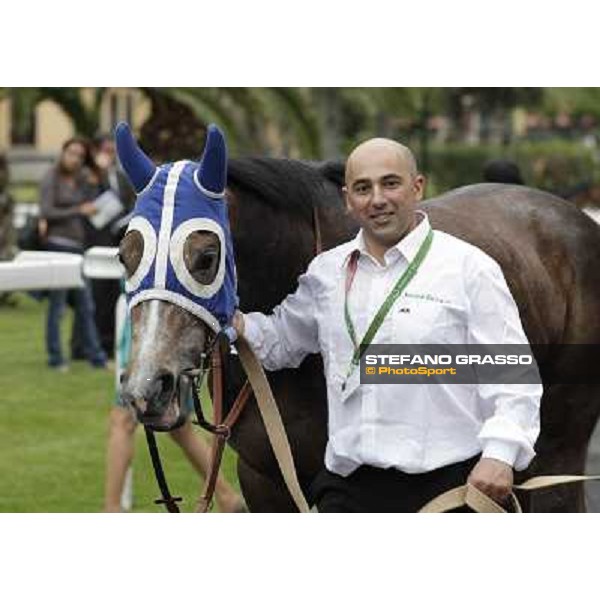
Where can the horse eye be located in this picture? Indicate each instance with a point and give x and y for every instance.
(205, 260)
(201, 255)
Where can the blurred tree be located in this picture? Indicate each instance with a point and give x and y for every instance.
(319, 123)
(575, 112)
(255, 120)
(173, 131)
(398, 113)
(84, 111)
(575, 101)
(483, 114)
(23, 101)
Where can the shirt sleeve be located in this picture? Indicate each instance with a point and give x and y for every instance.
(511, 411)
(283, 339)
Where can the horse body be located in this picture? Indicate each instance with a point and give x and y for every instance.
(550, 255)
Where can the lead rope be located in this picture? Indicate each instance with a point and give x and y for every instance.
(468, 495)
(272, 421)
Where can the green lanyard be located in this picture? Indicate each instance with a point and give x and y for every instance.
(378, 319)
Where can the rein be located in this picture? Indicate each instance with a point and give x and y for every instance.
(221, 430)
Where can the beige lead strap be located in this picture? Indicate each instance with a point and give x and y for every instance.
(544, 481)
(272, 420)
(479, 502)
(466, 495)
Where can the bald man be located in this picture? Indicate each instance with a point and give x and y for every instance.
(392, 448)
(382, 190)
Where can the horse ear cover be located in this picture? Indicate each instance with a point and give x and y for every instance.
(137, 165)
(212, 172)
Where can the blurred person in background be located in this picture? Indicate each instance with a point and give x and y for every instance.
(65, 203)
(7, 234)
(104, 180)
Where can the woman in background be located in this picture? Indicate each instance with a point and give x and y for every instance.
(64, 206)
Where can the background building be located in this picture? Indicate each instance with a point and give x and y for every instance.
(33, 127)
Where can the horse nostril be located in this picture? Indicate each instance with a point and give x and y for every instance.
(160, 391)
(150, 396)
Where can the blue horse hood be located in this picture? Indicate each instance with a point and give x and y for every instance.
(172, 205)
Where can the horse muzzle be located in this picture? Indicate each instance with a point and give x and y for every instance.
(156, 400)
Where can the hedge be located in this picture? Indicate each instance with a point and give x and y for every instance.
(557, 165)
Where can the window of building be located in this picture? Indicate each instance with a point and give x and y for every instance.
(22, 123)
(120, 104)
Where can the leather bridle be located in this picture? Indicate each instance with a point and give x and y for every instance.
(220, 429)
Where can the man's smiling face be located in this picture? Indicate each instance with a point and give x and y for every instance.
(382, 191)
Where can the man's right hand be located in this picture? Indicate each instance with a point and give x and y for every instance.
(238, 322)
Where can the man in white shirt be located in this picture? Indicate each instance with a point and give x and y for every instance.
(395, 447)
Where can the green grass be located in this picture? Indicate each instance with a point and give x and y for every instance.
(26, 192)
(53, 428)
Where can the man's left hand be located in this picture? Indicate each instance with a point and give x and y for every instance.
(492, 477)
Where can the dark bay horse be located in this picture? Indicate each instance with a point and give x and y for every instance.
(548, 250)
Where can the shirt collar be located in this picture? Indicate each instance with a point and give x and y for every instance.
(408, 246)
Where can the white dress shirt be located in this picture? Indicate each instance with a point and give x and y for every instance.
(458, 296)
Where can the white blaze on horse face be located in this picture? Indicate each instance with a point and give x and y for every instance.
(147, 351)
(149, 330)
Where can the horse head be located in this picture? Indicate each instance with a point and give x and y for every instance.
(181, 280)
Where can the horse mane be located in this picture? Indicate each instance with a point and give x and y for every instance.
(284, 184)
